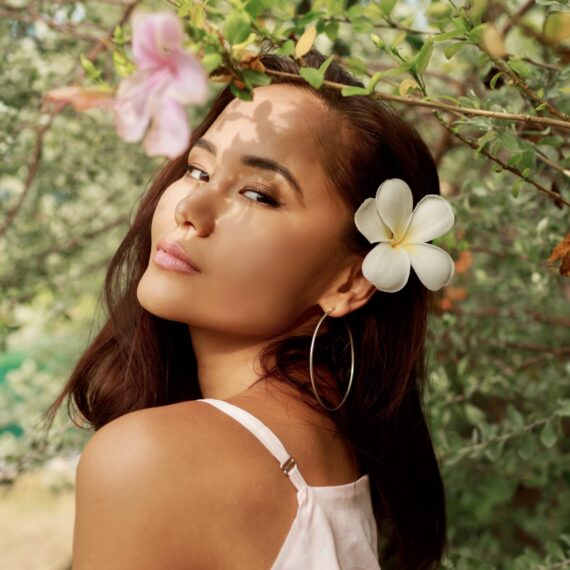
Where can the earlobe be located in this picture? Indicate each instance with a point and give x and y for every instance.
(350, 291)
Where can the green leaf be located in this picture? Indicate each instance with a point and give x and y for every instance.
(123, 65)
(288, 48)
(356, 66)
(452, 49)
(519, 67)
(255, 7)
(487, 137)
(385, 73)
(526, 446)
(515, 190)
(475, 34)
(494, 451)
(244, 95)
(312, 76)
(237, 26)
(325, 65)
(354, 90)
(331, 30)
(548, 435)
(554, 140)
(557, 26)
(252, 78)
(564, 409)
(211, 61)
(373, 12)
(474, 414)
(377, 41)
(438, 10)
(509, 141)
(422, 59)
(515, 416)
(119, 36)
(374, 80)
(454, 100)
(448, 35)
(494, 79)
(91, 71)
(387, 6)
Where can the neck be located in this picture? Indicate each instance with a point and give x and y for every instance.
(227, 365)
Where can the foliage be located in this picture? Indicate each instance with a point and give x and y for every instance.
(486, 83)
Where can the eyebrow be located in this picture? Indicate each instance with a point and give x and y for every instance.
(257, 162)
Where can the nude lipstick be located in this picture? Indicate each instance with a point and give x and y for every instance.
(171, 256)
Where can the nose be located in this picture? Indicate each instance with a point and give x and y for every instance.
(197, 209)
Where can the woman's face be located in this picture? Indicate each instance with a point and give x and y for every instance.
(263, 261)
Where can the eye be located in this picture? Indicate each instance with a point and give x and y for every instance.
(266, 198)
(189, 170)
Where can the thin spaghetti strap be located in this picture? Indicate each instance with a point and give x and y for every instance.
(265, 436)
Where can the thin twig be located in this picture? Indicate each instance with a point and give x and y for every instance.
(470, 111)
(496, 439)
(552, 164)
(516, 17)
(557, 198)
(32, 171)
(542, 64)
(42, 130)
(523, 87)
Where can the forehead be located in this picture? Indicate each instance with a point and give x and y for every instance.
(282, 121)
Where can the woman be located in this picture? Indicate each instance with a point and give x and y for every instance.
(335, 468)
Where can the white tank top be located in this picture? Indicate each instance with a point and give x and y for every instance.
(334, 528)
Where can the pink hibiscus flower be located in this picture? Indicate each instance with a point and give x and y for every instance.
(168, 78)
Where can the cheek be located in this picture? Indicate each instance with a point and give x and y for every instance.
(275, 260)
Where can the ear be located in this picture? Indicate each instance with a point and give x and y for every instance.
(348, 291)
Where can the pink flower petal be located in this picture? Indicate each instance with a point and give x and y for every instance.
(155, 38)
(81, 98)
(169, 134)
(189, 80)
(133, 103)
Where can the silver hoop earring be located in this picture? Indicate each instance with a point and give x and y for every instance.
(351, 364)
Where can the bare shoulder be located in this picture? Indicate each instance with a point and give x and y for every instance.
(140, 480)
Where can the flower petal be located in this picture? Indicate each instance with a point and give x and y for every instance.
(81, 98)
(132, 112)
(155, 37)
(433, 266)
(387, 267)
(133, 102)
(189, 81)
(432, 217)
(394, 201)
(370, 224)
(169, 134)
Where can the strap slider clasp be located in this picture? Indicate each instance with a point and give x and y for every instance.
(288, 465)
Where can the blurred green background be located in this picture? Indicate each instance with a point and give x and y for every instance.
(499, 394)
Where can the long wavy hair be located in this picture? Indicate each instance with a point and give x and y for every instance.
(139, 360)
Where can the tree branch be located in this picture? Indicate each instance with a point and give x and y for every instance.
(469, 111)
(557, 198)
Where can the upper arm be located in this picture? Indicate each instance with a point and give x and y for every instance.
(122, 517)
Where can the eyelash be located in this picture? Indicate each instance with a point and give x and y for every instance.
(271, 201)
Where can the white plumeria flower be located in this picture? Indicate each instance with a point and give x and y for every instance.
(402, 234)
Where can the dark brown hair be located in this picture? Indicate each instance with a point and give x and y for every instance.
(139, 360)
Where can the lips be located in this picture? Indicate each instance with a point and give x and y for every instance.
(176, 250)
